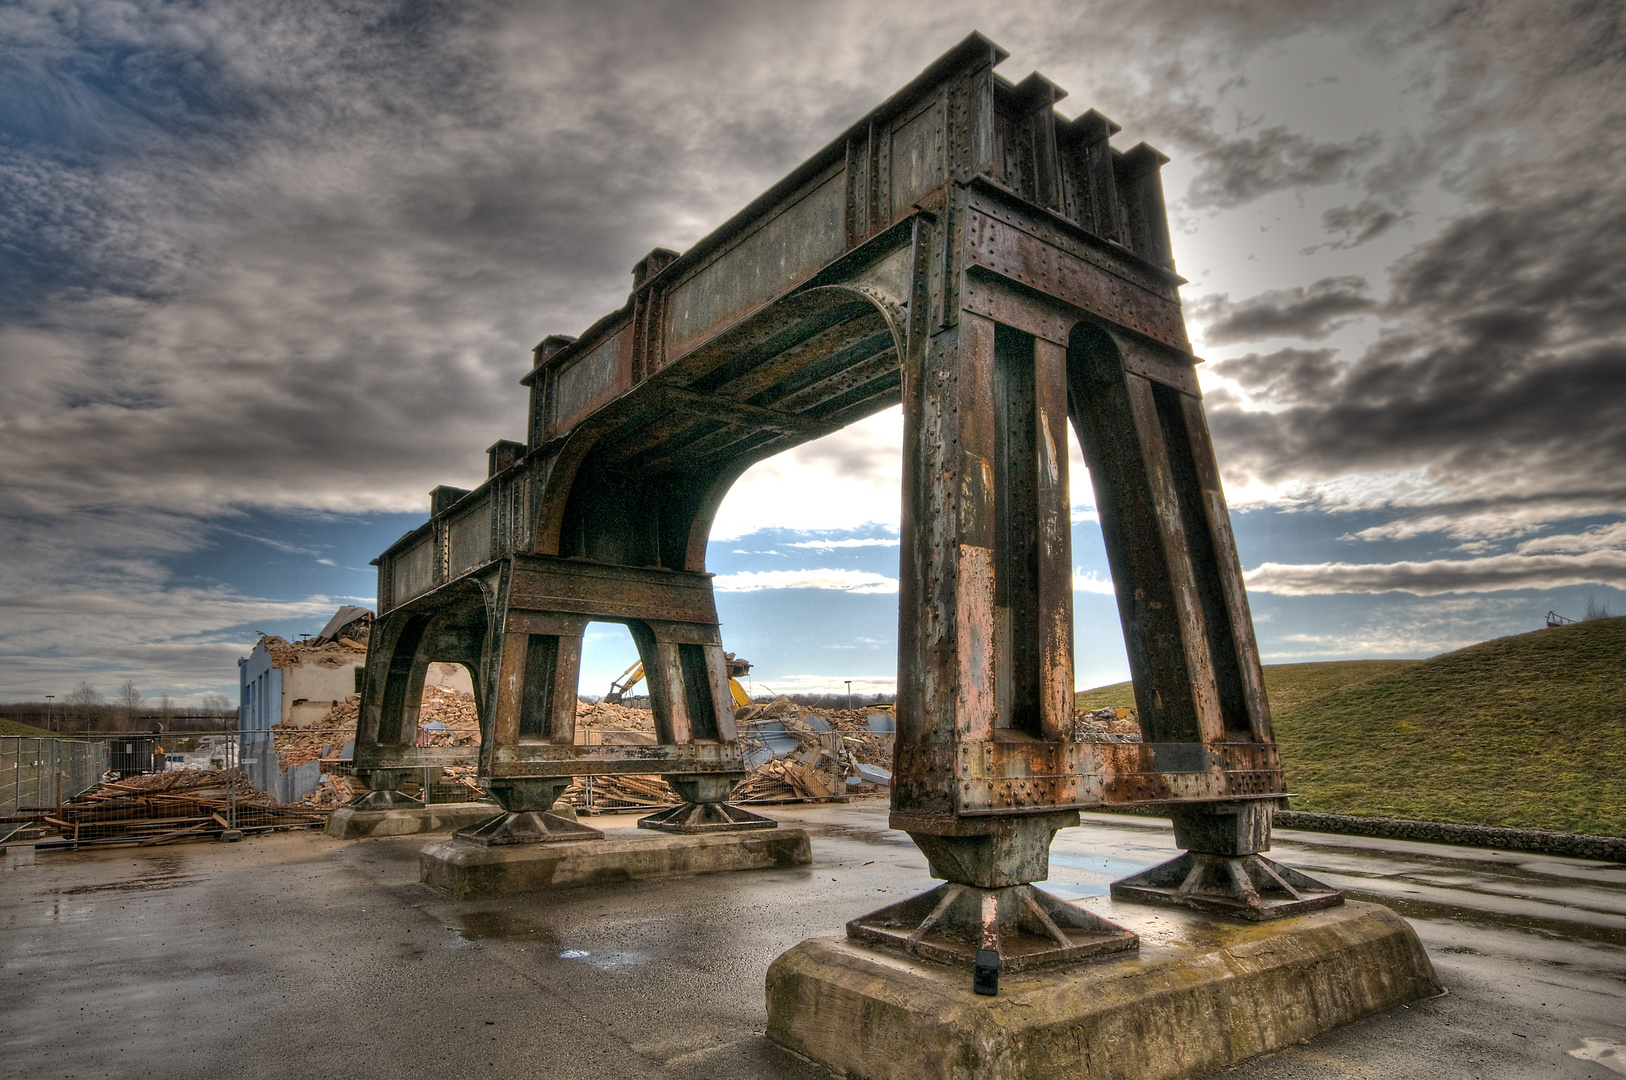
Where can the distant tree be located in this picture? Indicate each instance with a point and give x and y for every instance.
(83, 704)
(218, 707)
(166, 710)
(1595, 610)
(128, 702)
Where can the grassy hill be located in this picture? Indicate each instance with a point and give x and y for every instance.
(1288, 685)
(12, 727)
(1524, 731)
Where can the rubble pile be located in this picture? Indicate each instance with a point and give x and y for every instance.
(607, 717)
(799, 753)
(285, 654)
(1106, 726)
(162, 808)
(445, 718)
(816, 753)
(456, 710)
(333, 791)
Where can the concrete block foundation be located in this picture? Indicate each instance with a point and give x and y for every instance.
(1201, 994)
(348, 823)
(466, 870)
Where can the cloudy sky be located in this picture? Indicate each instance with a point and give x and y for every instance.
(271, 271)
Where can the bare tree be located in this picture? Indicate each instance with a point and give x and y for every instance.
(82, 705)
(128, 702)
(1595, 610)
(219, 707)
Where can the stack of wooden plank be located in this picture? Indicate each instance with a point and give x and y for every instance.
(165, 807)
(619, 793)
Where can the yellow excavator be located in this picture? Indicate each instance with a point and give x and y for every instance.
(634, 674)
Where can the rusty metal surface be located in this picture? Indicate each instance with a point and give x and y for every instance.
(1001, 271)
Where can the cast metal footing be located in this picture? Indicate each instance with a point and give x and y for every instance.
(383, 799)
(1246, 887)
(705, 817)
(1010, 929)
(526, 827)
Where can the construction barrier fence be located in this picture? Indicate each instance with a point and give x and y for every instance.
(45, 772)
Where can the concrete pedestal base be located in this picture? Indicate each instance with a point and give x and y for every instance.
(467, 870)
(1201, 993)
(348, 823)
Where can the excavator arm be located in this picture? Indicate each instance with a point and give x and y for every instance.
(635, 673)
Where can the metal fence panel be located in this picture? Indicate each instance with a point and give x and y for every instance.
(44, 772)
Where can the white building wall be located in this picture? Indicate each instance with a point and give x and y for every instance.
(317, 681)
(450, 677)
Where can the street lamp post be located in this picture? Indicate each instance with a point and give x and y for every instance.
(50, 723)
(849, 693)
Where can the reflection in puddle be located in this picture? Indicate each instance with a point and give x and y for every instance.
(1611, 1055)
(165, 873)
(503, 926)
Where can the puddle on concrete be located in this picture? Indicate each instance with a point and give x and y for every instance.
(504, 926)
(163, 873)
(1606, 1052)
(1557, 929)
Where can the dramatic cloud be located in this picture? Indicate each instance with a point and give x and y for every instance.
(292, 258)
(1286, 376)
(1311, 313)
(1092, 582)
(1492, 573)
(1500, 372)
(1237, 171)
(835, 545)
(1368, 221)
(850, 581)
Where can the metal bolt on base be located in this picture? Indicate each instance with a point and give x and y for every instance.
(1009, 929)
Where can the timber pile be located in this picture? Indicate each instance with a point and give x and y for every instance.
(609, 794)
(164, 807)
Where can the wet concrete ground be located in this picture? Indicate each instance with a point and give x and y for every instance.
(295, 956)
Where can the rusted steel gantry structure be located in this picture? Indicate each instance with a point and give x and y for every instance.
(1002, 271)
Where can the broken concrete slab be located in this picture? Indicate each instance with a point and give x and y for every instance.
(1201, 993)
(466, 870)
(348, 823)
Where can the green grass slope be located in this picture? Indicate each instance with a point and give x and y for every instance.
(12, 727)
(1526, 731)
(1288, 685)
